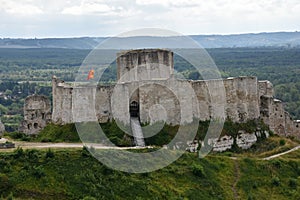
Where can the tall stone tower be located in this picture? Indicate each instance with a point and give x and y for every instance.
(144, 64)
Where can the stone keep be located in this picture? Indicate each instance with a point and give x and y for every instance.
(147, 64)
(37, 113)
(144, 80)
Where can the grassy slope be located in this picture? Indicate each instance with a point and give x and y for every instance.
(74, 174)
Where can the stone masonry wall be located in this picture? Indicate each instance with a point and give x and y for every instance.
(146, 64)
(37, 113)
(273, 114)
(241, 98)
(2, 128)
(80, 103)
(146, 78)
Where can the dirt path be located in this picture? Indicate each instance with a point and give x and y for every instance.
(42, 145)
(236, 174)
(283, 153)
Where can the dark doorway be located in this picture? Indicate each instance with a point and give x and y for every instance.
(134, 109)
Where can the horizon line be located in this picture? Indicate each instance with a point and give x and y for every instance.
(191, 35)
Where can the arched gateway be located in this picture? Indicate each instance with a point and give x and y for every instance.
(134, 109)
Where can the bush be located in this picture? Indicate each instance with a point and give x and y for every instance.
(198, 170)
(85, 152)
(277, 164)
(275, 181)
(282, 142)
(15, 135)
(38, 172)
(293, 183)
(4, 183)
(49, 154)
(32, 155)
(19, 153)
(10, 196)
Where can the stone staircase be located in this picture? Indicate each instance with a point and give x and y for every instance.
(137, 132)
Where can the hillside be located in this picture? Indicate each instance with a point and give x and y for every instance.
(276, 39)
(74, 174)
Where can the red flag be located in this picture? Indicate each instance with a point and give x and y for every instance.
(91, 74)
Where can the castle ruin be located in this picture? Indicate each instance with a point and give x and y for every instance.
(143, 76)
(37, 113)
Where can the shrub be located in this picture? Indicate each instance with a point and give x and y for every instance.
(277, 164)
(38, 172)
(19, 153)
(282, 142)
(32, 155)
(85, 152)
(198, 170)
(10, 196)
(4, 183)
(293, 183)
(49, 154)
(275, 181)
(15, 135)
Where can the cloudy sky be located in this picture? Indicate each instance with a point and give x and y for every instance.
(54, 18)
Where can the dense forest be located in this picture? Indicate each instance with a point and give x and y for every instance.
(28, 71)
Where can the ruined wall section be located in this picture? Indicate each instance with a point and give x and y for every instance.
(265, 88)
(2, 128)
(241, 98)
(158, 102)
(83, 104)
(37, 113)
(247, 95)
(103, 103)
(80, 103)
(202, 101)
(62, 102)
(279, 121)
(292, 126)
(273, 114)
(120, 103)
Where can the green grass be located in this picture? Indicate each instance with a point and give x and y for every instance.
(58, 133)
(68, 133)
(74, 174)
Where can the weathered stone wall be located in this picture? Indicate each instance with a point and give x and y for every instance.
(145, 77)
(37, 113)
(241, 98)
(243, 140)
(80, 103)
(62, 101)
(169, 100)
(144, 64)
(265, 88)
(83, 104)
(158, 103)
(103, 103)
(279, 121)
(2, 129)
